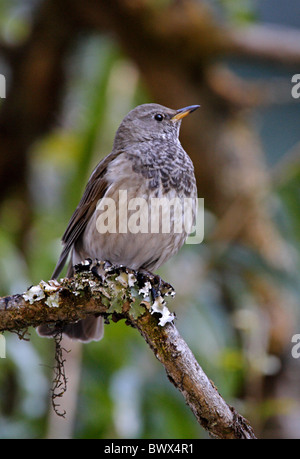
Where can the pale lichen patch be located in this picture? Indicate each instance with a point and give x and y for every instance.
(53, 300)
(122, 278)
(51, 286)
(159, 306)
(34, 293)
(131, 279)
(43, 290)
(146, 291)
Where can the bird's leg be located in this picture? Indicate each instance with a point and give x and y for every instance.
(101, 268)
(98, 268)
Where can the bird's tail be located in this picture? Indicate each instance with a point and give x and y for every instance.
(85, 330)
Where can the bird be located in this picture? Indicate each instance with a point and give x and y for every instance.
(147, 162)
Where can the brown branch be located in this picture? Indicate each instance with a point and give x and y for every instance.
(268, 42)
(241, 93)
(124, 294)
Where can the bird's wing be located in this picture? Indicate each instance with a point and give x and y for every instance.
(95, 190)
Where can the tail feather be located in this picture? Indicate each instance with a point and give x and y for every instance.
(85, 330)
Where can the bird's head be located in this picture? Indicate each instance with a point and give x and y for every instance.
(150, 122)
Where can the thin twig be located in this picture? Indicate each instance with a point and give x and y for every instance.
(60, 379)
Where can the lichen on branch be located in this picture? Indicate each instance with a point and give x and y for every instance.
(96, 288)
(139, 297)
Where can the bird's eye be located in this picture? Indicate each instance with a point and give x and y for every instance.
(158, 117)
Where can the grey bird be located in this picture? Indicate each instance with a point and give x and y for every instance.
(147, 161)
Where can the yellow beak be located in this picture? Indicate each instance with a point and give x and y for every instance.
(182, 112)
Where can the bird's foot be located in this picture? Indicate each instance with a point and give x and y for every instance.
(101, 269)
(158, 285)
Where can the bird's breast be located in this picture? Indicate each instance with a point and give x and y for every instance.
(144, 217)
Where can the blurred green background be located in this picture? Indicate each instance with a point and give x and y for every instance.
(116, 387)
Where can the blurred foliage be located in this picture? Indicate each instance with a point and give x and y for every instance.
(240, 12)
(124, 391)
